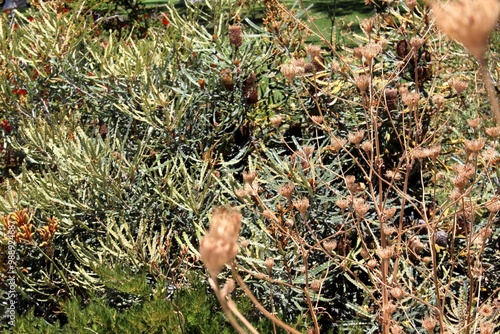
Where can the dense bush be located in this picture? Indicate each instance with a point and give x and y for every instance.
(366, 177)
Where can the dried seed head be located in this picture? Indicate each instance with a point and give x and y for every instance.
(389, 308)
(219, 246)
(370, 51)
(330, 245)
(456, 194)
(490, 155)
(336, 143)
(441, 238)
(316, 285)
(241, 192)
(416, 245)
(372, 264)
(469, 22)
(482, 236)
(385, 253)
(269, 263)
(388, 230)
(226, 78)
(429, 323)
(235, 37)
(268, 214)
(391, 98)
(357, 52)
(411, 99)
(356, 137)
(390, 212)
(350, 179)
(360, 207)
(416, 43)
(486, 310)
(458, 85)
(393, 175)
(317, 119)
(276, 121)
(343, 203)
(395, 328)
(301, 205)
(362, 82)
(367, 26)
(473, 123)
(475, 145)
(493, 132)
(493, 204)
(367, 146)
(397, 293)
(487, 328)
(245, 243)
(314, 53)
(286, 190)
(411, 4)
(249, 176)
(438, 99)
(289, 71)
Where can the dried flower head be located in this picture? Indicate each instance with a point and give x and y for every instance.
(276, 120)
(367, 146)
(429, 323)
(289, 71)
(487, 328)
(362, 82)
(314, 52)
(395, 328)
(473, 123)
(416, 245)
(372, 264)
(411, 99)
(343, 203)
(241, 192)
(356, 137)
(469, 22)
(317, 119)
(438, 99)
(416, 43)
(493, 204)
(301, 205)
(249, 176)
(391, 98)
(336, 143)
(269, 263)
(360, 207)
(330, 245)
(367, 26)
(475, 145)
(316, 285)
(458, 85)
(390, 212)
(226, 78)
(286, 190)
(490, 155)
(493, 132)
(385, 253)
(393, 175)
(370, 51)
(486, 310)
(397, 293)
(411, 4)
(235, 37)
(219, 246)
